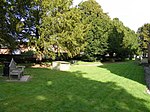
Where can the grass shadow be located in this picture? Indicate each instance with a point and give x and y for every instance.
(57, 91)
(128, 70)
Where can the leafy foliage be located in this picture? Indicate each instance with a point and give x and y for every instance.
(122, 41)
(97, 35)
(144, 36)
(13, 29)
(54, 26)
(61, 29)
(6, 38)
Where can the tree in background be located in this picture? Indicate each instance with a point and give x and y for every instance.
(131, 43)
(123, 42)
(55, 27)
(97, 35)
(115, 38)
(144, 36)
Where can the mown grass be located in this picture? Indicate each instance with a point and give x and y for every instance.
(116, 87)
(85, 63)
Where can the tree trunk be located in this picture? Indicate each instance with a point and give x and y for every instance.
(148, 52)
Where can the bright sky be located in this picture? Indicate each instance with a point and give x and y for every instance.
(133, 13)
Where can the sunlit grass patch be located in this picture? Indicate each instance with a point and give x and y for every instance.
(113, 87)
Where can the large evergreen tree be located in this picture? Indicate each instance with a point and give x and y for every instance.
(61, 29)
(123, 42)
(144, 36)
(47, 25)
(55, 26)
(99, 22)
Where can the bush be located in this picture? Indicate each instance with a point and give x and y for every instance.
(30, 52)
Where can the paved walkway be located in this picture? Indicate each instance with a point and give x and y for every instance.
(23, 79)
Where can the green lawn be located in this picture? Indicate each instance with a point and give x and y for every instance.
(116, 87)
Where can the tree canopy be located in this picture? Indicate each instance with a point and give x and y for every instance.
(97, 35)
(53, 27)
(122, 40)
(144, 36)
(61, 29)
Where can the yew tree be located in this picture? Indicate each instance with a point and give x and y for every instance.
(99, 25)
(144, 36)
(59, 29)
(49, 26)
(123, 42)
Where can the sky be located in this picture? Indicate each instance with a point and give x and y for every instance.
(133, 13)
